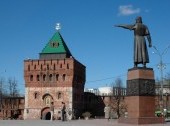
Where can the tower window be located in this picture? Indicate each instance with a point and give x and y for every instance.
(54, 67)
(34, 67)
(41, 67)
(47, 67)
(67, 66)
(50, 77)
(28, 67)
(31, 77)
(35, 95)
(59, 95)
(57, 77)
(64, 77)
(60, 65)
(54, 44)
(44, 77)
(38, 77)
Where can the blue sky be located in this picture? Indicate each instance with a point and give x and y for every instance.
(88, 30)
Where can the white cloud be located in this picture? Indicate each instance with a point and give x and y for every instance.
(126, 10)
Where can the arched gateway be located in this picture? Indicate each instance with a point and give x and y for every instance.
(45, 113)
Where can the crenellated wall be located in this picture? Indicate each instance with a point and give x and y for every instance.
(49, 72)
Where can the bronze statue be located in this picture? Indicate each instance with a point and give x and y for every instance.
(140, 49)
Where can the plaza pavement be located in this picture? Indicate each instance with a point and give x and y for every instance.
(91, 122)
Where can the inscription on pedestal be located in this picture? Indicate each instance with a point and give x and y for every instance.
(141, 87)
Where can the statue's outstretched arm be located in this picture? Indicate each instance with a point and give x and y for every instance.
(130, 27)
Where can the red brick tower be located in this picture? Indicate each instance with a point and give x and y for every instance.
(56, 76)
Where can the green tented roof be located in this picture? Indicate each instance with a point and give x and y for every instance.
(56, 45)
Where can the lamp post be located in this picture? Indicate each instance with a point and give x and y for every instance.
(166, 104)
(161, 66)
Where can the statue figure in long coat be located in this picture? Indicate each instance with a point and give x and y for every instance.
(140, 49)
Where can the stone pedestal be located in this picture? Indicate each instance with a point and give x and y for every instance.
(140, 98)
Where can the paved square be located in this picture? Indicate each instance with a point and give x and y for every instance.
(91, 122)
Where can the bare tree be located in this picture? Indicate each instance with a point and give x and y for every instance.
(1, 90)
(13, 87)
(119, 92)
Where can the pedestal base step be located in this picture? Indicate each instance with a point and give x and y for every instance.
(142, 120)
